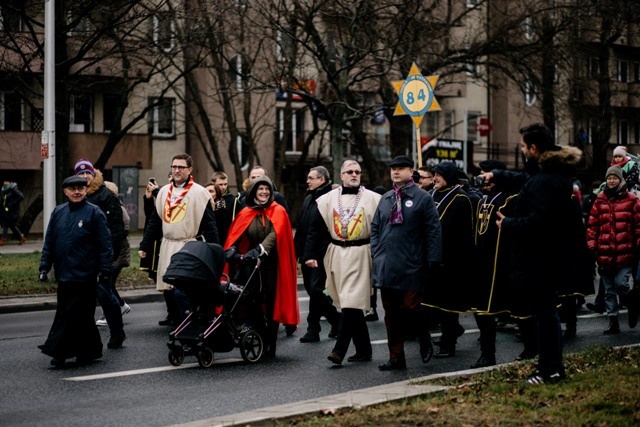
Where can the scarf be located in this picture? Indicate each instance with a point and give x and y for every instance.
(396, 209)
(170, 206)
(617, 191)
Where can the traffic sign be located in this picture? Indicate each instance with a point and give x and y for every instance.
(484, 126)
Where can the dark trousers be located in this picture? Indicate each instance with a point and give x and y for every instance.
(450, 326)
(487, 325)
(111, 309)
(403, 311)
(528, 332)
(549, 334)
(353, 327)
(319, 303)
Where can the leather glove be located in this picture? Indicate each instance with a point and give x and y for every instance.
(43, 276)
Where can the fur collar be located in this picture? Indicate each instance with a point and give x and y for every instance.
(96, 183)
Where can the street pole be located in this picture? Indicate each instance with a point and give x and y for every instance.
(49, 135)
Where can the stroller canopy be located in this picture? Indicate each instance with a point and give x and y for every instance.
(196, 261)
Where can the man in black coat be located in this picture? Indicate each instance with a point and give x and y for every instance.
(319, 183)
(542, 232)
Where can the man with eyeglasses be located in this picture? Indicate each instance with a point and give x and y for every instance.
(426, 178)
(318, 184)
(182, 213)
(344, 218)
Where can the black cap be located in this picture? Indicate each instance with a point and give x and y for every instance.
(74, 181)
(491, 164)
(401, 161)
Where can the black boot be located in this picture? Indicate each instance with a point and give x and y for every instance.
(632, 301)
(484, 360)
(614, 326)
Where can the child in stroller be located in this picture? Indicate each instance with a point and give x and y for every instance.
(220, 317)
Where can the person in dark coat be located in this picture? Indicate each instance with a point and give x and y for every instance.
(226, 209)
(77, 244)
(11, 198)
(319, 183)
(101, 196)
(542, 231)
(491, 294)
(405, 241)
(450, 292)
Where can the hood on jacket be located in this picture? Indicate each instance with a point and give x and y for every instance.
(253, 188)
(565, 160)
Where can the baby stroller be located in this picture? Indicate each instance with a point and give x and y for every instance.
(211, 325)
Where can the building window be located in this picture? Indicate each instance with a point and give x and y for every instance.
(243, 152)
(296, 119)
(163, 117)
(449, 131)
(623, 132)
(528, 27)
(284, 46)
(431, 123)
(78, 24)
(163, 31)
(636, 133)
(10, 111)
(80, 113)
(529, 91)
(109, 107)
(37, 119)
(473, 118)
(239, 72)
(593, 67)
(10, 18)
(623, 70)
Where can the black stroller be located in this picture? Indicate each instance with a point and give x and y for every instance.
(212, 324)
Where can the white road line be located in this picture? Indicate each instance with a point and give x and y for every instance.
(147, 370)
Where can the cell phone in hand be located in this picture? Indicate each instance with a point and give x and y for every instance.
(152, 180)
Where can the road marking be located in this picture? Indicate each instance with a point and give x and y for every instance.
(147, 370)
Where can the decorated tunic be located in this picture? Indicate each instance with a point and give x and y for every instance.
(348, 219)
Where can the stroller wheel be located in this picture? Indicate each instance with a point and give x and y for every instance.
(176, 356)
(251, 346)
(205, 357)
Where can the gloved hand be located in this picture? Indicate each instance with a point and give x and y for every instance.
(232, 254)
(104, 279)
(255, 253)
(43, 276)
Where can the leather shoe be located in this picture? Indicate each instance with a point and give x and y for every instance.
(446, 352)
(335, 358)
(169, 321)
(359, 358)
(393, 365)
(426, 350)
(116, 341)
(333, 333)
(484, 361)
(596, 308)
(310, 337)
(58, 363)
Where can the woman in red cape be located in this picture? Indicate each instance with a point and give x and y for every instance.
(263, 229)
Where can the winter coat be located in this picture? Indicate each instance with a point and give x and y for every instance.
(105, 199)
(123, 257)
(77, 243)
(11, 198)
(403, 252)
(302, 230)
(613, 230)
(544, 226)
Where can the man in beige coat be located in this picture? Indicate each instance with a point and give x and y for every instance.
(344, 218)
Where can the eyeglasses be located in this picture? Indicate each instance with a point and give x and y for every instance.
(179, 167)
(351, 172)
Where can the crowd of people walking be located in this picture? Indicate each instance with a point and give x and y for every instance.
(529, 242)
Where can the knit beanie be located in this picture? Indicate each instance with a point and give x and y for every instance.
(82, 166)
(620, 151)
(615, 171)
(448, 170)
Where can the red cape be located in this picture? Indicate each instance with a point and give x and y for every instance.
(286, 309)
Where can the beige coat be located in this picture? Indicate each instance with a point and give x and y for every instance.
(349, 268)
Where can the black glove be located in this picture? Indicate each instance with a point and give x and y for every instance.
(252, 254)
(43, 276)
(104, 279)
(232, 254)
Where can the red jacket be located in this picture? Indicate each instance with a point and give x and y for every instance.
(613, 230)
